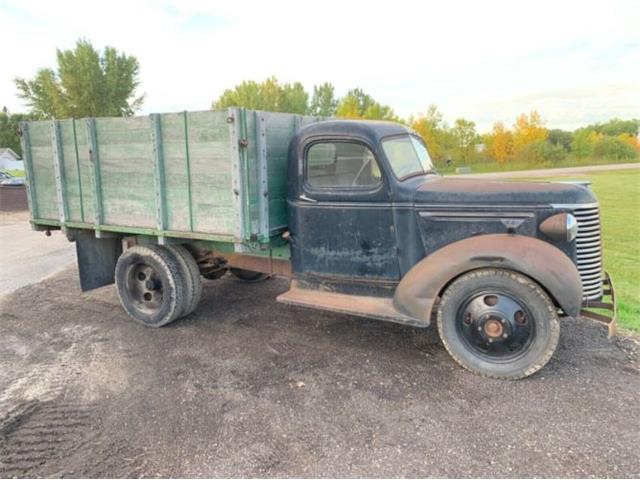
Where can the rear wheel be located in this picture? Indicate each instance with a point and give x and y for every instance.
(498, 323)
(151, 285)
(191, 275)
(248, 275)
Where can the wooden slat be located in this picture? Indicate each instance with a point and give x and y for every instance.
(159, 175)
(28, 167)
(58, 167)
(94, 162)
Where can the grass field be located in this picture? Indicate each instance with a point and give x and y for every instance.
(489, 167)
(619, 196)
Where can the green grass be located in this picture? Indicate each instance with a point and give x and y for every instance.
(619, 196)
(570, 161)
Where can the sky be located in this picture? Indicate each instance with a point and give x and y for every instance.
(576, 62)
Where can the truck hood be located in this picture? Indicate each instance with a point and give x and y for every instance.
(443, 190)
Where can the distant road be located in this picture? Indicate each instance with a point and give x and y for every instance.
(552, 172)
(28, 256)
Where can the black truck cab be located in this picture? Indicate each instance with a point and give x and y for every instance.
(375, 231)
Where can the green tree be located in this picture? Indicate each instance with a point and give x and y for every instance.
(560, 138)
(583, 142)
(268, 95)
(323, 101)
(616, 126)
(614, 147)
(86, 84)
(9, 123)
(357, 104)
(294, 98)
(466, 138)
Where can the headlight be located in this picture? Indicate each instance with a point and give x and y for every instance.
(562, 226)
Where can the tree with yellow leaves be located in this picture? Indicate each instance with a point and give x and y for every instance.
(528, 129)
(499, 143)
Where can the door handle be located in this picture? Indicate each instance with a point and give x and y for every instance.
(307, 199)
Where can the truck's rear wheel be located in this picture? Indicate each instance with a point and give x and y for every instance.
(248, 275)
(498, 323)
(151, 285)
(191, 274)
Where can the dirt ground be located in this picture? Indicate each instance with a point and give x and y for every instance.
(248, 387)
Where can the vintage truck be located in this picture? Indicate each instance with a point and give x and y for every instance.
(352, 212)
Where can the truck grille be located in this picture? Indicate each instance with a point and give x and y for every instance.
(589, 251)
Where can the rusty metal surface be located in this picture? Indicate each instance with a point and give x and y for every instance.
(551, 268)
(268, 265)
(380, 308)
(609, 320)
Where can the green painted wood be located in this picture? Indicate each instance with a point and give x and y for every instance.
(28, 164)
(43, 170)
(159, 175)
(59, 171)
(94, 164)
(177, 174)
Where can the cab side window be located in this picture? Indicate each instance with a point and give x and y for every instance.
(341, 164)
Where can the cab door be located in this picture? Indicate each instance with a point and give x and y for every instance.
(341, 219)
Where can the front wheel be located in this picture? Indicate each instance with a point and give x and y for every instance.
(498, 323)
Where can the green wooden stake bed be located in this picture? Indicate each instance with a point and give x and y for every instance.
(352, 211)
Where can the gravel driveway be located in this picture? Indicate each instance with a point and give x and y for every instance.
(248, 387)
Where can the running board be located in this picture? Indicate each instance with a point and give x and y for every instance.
(380, 308)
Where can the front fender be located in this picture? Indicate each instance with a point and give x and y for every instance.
(544, 263)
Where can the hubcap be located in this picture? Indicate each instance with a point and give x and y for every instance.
(145, 288)
(495, 326)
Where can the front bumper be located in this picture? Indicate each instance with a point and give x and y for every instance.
(607, 309)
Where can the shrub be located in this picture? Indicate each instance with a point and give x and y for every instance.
(541, 152)
(613, 147)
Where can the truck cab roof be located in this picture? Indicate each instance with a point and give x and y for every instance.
(372, 130)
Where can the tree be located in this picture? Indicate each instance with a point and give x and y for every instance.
(560, 138)
(268, 95)
(499, 143)
(584, 141)
(528, 129)
(616, 126)
(630, 139)
(86, 84)
(432, 130)
(614, 147)
(466, 138)
(323, 101)
(9, 123)
(357, 104)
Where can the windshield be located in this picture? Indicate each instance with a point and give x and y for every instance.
(408, 156)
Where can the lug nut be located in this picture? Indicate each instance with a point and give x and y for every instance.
(505, 335)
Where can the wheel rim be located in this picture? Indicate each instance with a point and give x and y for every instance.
(495, 326)
(144, 287)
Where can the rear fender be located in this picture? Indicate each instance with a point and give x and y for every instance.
(544, 263)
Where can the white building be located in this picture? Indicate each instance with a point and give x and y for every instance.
(9, 160)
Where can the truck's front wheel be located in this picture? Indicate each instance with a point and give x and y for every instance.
(150, 285)
(498, 323)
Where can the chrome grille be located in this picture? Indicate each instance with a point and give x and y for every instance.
(589, 251)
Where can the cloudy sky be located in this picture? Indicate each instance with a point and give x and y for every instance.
(576, 62)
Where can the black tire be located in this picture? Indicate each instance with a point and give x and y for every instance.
(498, 323)
(191, 274)
(248, 276)
(151, 285)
